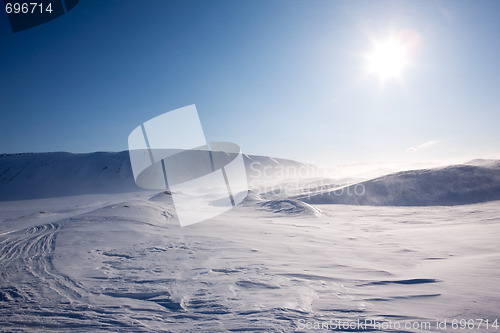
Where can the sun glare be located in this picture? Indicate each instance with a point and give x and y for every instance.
(391, 56)
(387, 60)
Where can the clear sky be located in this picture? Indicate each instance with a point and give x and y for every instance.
(282, 78)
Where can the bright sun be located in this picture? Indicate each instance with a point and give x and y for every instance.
(388, 59)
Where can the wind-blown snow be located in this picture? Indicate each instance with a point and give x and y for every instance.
(454, 185)
(487, 163)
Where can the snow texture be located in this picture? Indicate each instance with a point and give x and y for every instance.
(120, 262)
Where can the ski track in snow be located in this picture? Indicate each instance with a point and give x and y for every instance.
(129, 267)
(30, 284)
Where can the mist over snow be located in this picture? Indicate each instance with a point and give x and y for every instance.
(453, 185)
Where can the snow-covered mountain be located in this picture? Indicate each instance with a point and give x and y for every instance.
(43, 175)
(453, 185)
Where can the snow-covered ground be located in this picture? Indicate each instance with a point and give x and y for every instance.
(121, 263)
(82, 248)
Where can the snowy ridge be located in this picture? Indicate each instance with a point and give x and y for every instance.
(454, 185)
(44, 175)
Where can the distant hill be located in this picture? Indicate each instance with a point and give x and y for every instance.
(43, 175)
(453, 185)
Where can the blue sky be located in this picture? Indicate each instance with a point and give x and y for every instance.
(279, 78)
